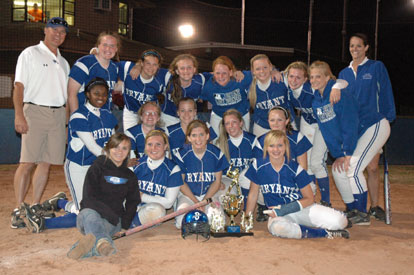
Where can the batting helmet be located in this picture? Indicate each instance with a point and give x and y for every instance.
(195, 222)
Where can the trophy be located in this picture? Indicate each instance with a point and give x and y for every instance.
(231, 204)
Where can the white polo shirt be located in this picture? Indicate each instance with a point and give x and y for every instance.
(44, 75)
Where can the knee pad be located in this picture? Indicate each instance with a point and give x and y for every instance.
(281, 227)
(150, 212)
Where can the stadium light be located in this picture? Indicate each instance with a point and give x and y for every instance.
(186, 30)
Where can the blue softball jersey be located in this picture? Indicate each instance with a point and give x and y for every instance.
(231, 96)
(137, 138)
(299, 144)
(156, 182)
(86, 68)
(278, 187)
(83, 120)
(136, 92)
(176, 136)
(200, 174)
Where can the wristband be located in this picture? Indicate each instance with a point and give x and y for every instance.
(285, 209)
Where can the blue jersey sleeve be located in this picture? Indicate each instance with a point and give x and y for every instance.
(222, 163)
(302, 177)
(161, 75)
(251, 173)
(348, 117)
(175, 179)
(385, 96)
(124, 67)
(79, 124)
(303, 145)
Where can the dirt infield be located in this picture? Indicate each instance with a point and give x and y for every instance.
(377, 249)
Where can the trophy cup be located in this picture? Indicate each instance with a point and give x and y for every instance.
(231, 204)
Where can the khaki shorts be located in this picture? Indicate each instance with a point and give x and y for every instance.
(45, 140)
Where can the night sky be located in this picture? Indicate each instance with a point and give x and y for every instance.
(284, 23)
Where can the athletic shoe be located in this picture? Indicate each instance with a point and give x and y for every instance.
(261, 217)
(359, 218)
(105, 248)
(325, 203)
(34, 222)
(51, 203)
(40, 211)
(16, 219)
(331, 234)
(82, 247)
(377, 212)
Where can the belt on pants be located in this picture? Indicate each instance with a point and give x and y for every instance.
(50, 107)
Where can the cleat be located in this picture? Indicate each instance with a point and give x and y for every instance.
(325, 203)
(105, 248)
(40, 211)
(359, 218)
(350, 213)
(82, 247)
(377, 212)
(51, 203)
(33, 221)
(331, 234)
(261, 217)
(16, 219)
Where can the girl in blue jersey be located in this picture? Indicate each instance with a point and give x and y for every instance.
(279, 119)
(301, 96)
(159, 179)
(182, 81)
(90, 127)
(353, 135)
(224, 92)
(237, 145)
(149, 119)
(144, 88)
(288, 195)
(201, 166)
(370, 84)
(264, 94)
(90, 66)
(187, 112)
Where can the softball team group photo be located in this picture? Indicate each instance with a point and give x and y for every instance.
(276, 127)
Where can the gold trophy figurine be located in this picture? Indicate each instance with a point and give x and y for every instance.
(232, 204)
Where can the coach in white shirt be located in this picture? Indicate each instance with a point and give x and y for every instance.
(39, 97)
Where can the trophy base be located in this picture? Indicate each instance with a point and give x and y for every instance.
(229, 234)
(233, 229)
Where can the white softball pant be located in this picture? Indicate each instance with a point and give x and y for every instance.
(369, 144)
(169, 120)
(148, 212)
(183, 201)
(129, 119)
(315, 215)
(75, 177)
(259, 130)
(318, 153)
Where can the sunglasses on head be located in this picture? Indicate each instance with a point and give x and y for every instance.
(58, 21)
